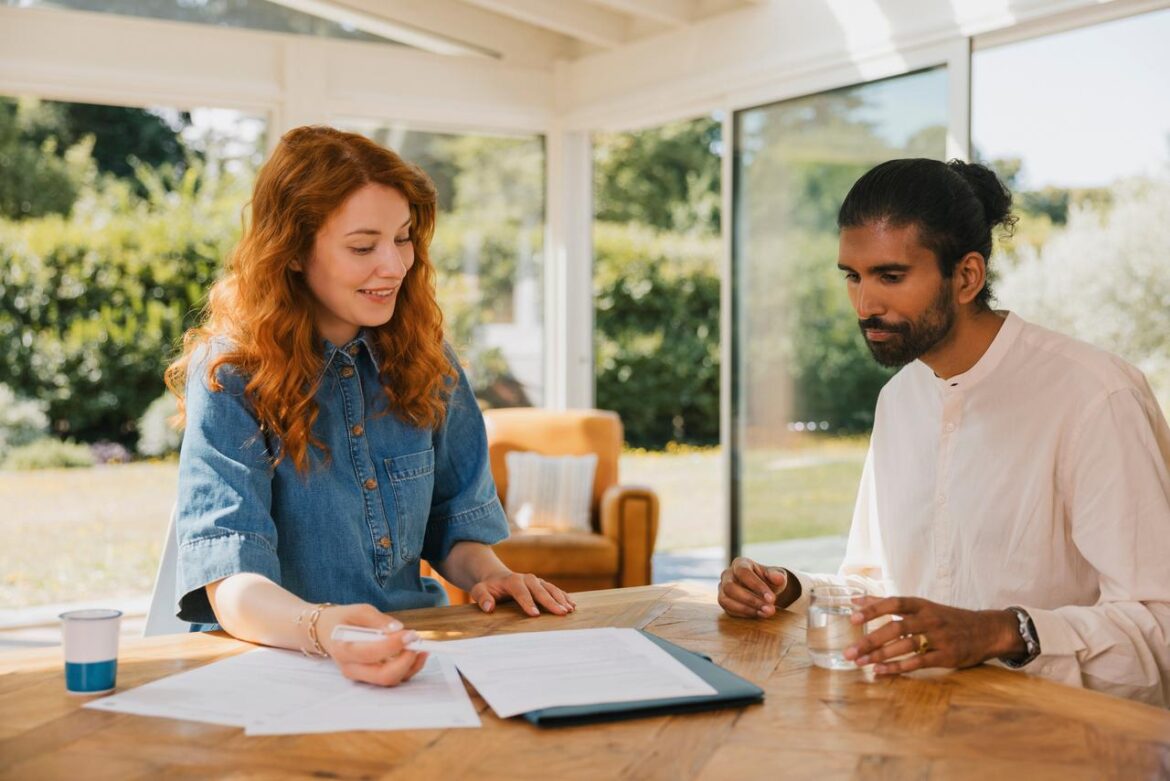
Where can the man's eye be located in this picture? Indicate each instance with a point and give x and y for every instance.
(892, 278)
(363, 250)
(850, 276)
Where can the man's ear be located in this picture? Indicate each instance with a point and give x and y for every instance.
(970, 276)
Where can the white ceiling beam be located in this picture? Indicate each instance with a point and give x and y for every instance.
(576, 20)
(428, 41)
(673, 13)
(517, 42)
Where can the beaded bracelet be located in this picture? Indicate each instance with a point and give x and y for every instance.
(317, 650)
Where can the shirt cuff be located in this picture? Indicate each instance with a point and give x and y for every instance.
(1059, 646)
(807, 583)
(204, 560)
(485, 523)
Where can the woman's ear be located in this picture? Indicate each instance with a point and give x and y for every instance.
(296, 265)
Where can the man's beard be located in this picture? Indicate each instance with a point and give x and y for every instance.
(911, 340)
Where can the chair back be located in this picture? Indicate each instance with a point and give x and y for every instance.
(160, 618)
(574, 432)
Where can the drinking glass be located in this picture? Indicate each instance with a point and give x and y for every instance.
(830, 630)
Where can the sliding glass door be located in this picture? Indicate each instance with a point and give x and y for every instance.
(804, 385)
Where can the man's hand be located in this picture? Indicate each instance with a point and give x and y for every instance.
(748, 589)
(953, 637)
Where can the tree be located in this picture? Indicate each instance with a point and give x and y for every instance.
(50, 151)
(37, 176)
(666, 178)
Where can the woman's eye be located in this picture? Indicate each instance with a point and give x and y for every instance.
(402, 240)
(363, 250)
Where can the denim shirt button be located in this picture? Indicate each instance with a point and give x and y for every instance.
(347, 372)
(370, 484)
(384, 542)
(357, 430)
(354, 349)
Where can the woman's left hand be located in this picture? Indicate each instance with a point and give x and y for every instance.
(528, 590)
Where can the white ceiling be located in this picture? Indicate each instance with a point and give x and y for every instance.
(521, 32)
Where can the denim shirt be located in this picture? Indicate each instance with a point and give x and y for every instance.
(354, 527)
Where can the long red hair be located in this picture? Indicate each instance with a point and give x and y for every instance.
(264, 308)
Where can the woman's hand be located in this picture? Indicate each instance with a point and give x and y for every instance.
(528, 591)
(384, 662)
(937, 635)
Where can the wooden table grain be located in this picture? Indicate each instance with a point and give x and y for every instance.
(985, 723)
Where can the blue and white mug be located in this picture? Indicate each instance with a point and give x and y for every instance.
(91, 650)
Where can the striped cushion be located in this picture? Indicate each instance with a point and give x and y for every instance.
(550, 492)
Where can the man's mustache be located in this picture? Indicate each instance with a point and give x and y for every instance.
(877, 324)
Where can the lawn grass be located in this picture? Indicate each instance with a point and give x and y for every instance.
(80, 534)
(807, 491)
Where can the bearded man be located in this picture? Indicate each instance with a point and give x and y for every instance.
(1015, 501)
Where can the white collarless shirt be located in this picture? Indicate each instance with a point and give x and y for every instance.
(1038, 478)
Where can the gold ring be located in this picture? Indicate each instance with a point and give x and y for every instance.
(923, 645)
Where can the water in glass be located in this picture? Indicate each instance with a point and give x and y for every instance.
(830, 631)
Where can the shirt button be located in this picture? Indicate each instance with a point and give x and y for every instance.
(384, 543)
(353, 349)
(370, 484)
(357, 430)
(347, 372)
(950, 427)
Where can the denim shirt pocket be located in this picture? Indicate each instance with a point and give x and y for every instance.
(412, 477)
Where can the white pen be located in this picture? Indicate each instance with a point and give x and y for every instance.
(348, 633)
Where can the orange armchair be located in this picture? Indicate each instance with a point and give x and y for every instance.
(625, 518)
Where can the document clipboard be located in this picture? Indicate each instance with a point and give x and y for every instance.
(731, 691)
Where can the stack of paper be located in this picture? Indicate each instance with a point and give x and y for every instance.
(273, 692)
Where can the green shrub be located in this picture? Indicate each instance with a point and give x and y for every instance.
(91, 308)
(49, 453)
(657, 333)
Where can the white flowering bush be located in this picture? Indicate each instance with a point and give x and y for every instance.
(21, 420)
(1104, 278)
(156, 435)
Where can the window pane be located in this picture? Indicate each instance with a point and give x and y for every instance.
(488, 252)
(804, 384)
(247, 14)
(656, 344)
(1091, 173)
(114, 222)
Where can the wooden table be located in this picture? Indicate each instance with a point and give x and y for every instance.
(985, 723)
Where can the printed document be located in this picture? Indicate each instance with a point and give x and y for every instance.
(517, 673)
(275, 692)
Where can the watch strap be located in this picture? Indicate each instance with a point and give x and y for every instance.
(1030, 638)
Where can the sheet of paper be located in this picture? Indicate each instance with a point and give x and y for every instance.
(269, 691)
(433, 699)
(517, 673)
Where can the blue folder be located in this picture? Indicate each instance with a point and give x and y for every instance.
(731, 691)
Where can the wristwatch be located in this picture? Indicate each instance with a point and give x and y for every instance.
(1028, 635)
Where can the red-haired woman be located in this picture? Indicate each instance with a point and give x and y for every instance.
(332, 442)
